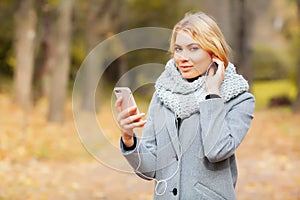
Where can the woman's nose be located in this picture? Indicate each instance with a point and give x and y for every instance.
(183, 56)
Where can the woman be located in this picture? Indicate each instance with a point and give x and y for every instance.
(196, 119)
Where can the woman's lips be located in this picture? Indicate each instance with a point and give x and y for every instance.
(186, 68)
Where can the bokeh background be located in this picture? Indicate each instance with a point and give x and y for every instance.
(42, 46)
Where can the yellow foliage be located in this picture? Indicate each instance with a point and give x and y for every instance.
(41, 160)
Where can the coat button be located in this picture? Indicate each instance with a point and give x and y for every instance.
(175, 191)
(176, 157)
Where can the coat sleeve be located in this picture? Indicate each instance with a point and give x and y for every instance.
(143, 157)
(225, 125)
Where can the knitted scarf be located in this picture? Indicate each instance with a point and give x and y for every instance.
(183, 97)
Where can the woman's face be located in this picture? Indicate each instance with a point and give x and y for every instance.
(190, 58)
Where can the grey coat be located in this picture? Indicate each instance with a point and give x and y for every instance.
(195, 160)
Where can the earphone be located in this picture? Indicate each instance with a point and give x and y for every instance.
(163, 181)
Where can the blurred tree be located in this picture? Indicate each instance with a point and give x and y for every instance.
(102, 20)
(297, 102)
(46, 48)
(154, 13)
(270, 63)
(241, 26)
(7, 60)
(60, 71)
(24, 44)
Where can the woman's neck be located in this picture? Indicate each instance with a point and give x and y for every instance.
(193, 79)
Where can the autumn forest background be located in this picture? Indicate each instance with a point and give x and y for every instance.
(43, 45)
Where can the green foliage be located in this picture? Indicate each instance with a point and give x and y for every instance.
(5, 84)
(154, 13)
(42, 153)
(50, 4)
(78, 54)
(291, 31)
(6, 40)
(270, 63)
(265, 90)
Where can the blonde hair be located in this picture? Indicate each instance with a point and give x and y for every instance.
(204, 30)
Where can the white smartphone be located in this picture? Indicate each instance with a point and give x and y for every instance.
(128, 99)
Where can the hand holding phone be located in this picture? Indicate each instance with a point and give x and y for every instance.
(128, 114)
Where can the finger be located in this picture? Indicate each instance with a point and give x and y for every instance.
(220, 69)
(127, 112)
(137, 117)
(217, 60)
(130, 111)
(118, 104)
(132, 119)
(134, 125)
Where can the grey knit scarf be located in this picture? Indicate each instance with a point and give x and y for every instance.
(183, 97)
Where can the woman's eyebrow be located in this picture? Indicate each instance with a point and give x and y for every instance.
(191, 44)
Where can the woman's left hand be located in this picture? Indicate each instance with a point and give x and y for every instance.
(214, 81)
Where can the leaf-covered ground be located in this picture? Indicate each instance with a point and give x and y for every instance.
(40, 160)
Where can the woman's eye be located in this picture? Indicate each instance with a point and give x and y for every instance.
(194, 48)
(177, 49)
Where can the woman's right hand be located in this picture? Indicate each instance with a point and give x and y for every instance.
(128, 119)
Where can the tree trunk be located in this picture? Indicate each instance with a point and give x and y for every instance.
(297, 103)
(47, 53)
(241, 26)
(59, 75)
(25, 25)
